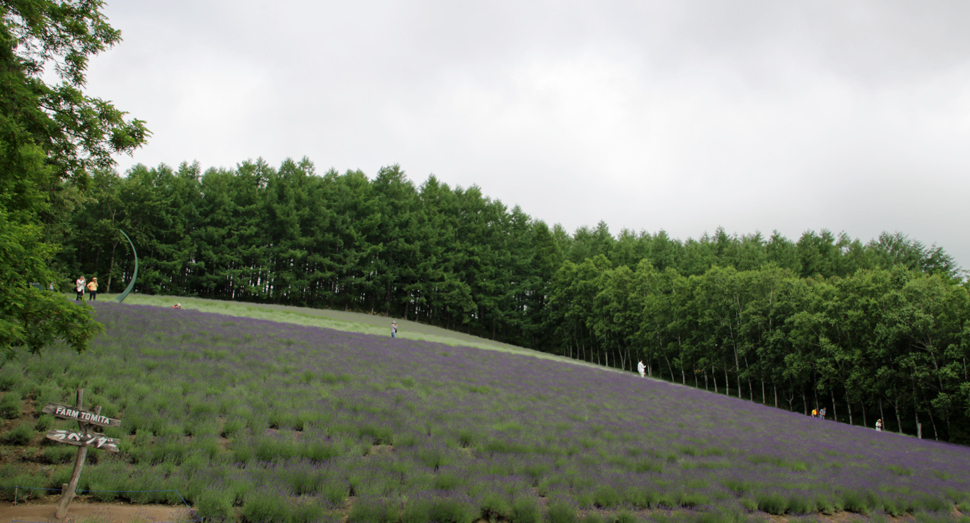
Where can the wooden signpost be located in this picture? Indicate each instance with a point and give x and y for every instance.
(65, 412)
(98, 441)
(83, 438)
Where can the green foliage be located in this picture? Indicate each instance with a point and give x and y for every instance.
(377, 510)
(214, 505)
(560, 511)
(799, 505)
(20, 434)
(625, 517)
(9, 379)
(310, 512)
(525, 509)
(605, 496)
(855, 502)
(722, 515)
(772, 503)
(59, 454)
(10, 405)
(50, 136)
(495, 505)
(266, 507)
(44, 423)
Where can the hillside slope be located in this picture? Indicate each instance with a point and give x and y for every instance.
(267, 421)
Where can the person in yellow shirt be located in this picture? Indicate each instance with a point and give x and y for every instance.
(93, 289)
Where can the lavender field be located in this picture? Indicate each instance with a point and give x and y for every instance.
(264, 421)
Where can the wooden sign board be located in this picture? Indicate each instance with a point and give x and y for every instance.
(83, 416)
(92, 440)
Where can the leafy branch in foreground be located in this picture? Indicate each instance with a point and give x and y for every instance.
(50, 135)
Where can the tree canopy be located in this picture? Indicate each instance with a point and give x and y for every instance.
(51, 136)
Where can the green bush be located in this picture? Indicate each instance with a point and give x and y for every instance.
(639, 498)
(10, 378)
(242, 453)
(721, 515)
(307, 512)
(266, 507)
(877, 518)
(592, 517)
(494, 505)
(59, 454)
(799, 505)
(319, 451)
(667, 501)
(525, 509)
(737, 486)
(215, 505)
(585, 499)
(561, 512)
(416, 511)
(772, 503)
(647, 465)
(824, 505)
(31, 487)
(10, 405)
(450, 510)
(691, 499)
(446, 481)
(606, 496)
(231, 427)
(335, 491)
(304, 481)
(101, 492)
(934, 504)
(855, 502)
(891, 507)
(60, 476)
(44, 423)
(22, 434)
(932, 517)
(375, 510)
(625, 517)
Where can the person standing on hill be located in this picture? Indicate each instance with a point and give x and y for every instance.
(814, 413)
(879, 425)
(79, 287)
(93, 289)
(821, 413)
(641, 368)
(394, 329)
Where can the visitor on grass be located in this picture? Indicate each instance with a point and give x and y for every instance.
(394, 329)
(814, 413)
(93, 289)
(879, 425)
(821, 413)
(79, 287)
(177, 306)
(641, 368)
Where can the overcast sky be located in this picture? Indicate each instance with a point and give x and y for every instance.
(648, 115)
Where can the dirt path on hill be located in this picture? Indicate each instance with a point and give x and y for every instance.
(42, 511)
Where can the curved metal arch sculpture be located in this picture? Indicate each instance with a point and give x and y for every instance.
(134, 276)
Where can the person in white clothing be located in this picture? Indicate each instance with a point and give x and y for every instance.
(79, 287)
(879, 425)
(641, 368)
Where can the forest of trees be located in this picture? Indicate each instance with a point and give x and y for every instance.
(868, 330)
